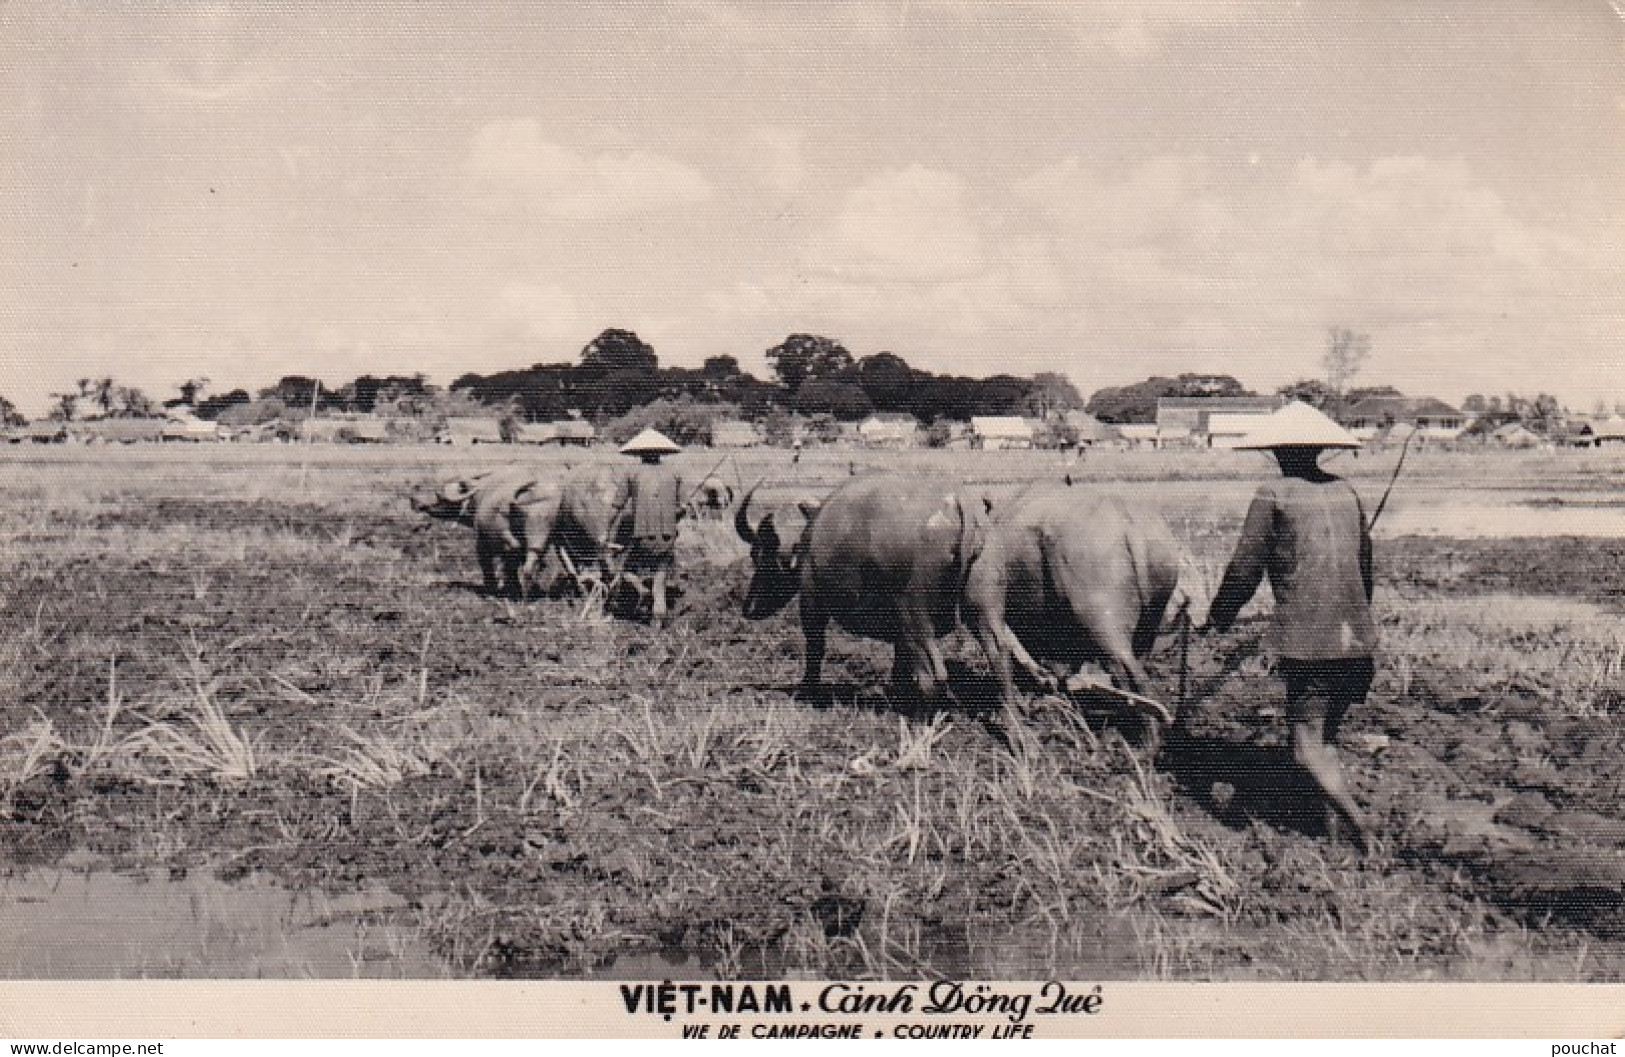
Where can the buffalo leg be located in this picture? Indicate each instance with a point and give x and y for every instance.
(814, 625)
(918, 671)
(513, 563)
(488, 559)
(1113, 637)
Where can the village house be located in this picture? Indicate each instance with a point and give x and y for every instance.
(889, 430)
(349, 429)
(1138, 434)
(462, 430)
(569, 432)
(730, 433)
(116, 431)
(1189, 420)
(1597, 433)
(187, 427)
(1516, 435)
(1087, 430)
(1000, 432)
(38, 433)
(1433, 419)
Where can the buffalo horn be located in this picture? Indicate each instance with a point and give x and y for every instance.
(742, 516)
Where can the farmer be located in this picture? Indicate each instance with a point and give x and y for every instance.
(653, 506)
(1308, 532)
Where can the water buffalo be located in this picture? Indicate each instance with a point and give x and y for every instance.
(710, 498)
(512, 513)
(1070, 578)
(884, 557)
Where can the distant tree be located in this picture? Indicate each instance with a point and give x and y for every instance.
(129, 402)
(619, 350)
(1365, 392)
(617, 392)
(363, 394)
(1543, 414)
(9, 415)
(842, 400)
(1312, 391)
(684, 420)
(778, 427)
(888, 381)
(1138, 402)
(999, 394)
(1475, 404)
(801, 357)
(721, 368)
(296, 391)
(1052, 394)
(254, 412)
(64, 406)
(938, 434)
(1346, 352)
(104, 391)
(191, 389)
(213, 407)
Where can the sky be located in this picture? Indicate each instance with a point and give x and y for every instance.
(239, 191)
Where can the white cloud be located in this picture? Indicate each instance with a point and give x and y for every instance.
(1452, 284)
(904, 226)
(1184, 264)
(773, 158)
(510, 164)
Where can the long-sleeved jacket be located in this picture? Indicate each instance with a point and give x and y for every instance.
(1310, 537)
(654, 496)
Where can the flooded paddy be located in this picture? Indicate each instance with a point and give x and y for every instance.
(90, 923)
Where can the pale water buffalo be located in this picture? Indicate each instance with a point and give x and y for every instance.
(1070, 578)
(884, 557)
(710, 498)
(512, 513)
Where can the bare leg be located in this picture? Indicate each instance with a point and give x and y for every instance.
(658, 608)
(1308, 709)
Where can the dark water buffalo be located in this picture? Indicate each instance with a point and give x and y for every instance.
(884, 557)
(512, 513)
(1070, 578)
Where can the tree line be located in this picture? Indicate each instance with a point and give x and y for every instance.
(618, 379)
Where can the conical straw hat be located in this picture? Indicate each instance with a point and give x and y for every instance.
(1297, 425)
(650, 440)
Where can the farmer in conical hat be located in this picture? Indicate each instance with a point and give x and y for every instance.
(654, 503)
(1308, 533)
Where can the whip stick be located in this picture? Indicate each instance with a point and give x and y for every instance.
(1184, 654)
(708, 475)
(1400, 465)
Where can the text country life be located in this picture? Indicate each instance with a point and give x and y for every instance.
(942, 998)
(854, 1030)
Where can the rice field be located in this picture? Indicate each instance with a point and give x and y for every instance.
(255, 678)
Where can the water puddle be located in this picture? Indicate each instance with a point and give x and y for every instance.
(93, 924)
(1466, 516)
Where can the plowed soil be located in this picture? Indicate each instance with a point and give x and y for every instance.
(551, 791)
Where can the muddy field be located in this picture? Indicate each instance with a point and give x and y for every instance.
(258, 680)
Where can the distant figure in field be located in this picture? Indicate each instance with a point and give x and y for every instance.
(654, 505)
(1308, 533)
